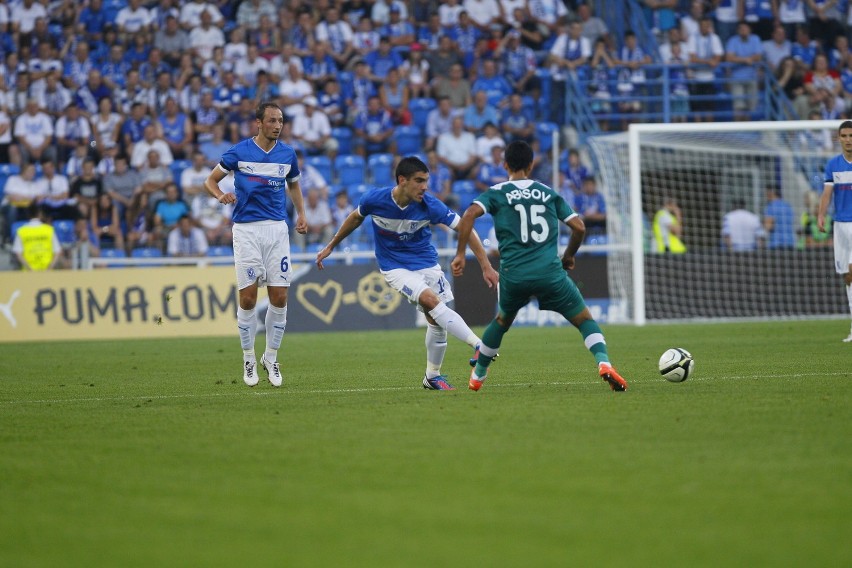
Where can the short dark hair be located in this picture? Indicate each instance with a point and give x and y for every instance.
(409, 166)
(844, 124)
(518, 155)
(261, 109)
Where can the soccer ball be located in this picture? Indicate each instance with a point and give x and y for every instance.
(676, 365)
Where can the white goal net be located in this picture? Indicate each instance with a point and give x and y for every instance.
(716, 177)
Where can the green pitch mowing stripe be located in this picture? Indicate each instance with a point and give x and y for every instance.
(144, 453)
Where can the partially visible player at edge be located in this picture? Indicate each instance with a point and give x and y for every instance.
(526, 215)
(262, 165)
(838, 183)
(401, 216)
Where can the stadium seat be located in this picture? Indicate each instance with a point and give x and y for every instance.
(343, 135)
(544, 134)
(483, 225)
(223, 250)
(465, 190)
(7, 170)
(355, 246)
(64, 229)
(381, 169)
(408, 140)
(113, 253)
(323, 166)
(177, 168)
(355, 191)
(147, 252)
(15, 226)
(350, 169)
(222, 254)
(420, 109)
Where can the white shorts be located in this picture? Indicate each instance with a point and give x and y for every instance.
(262, 253)
(412, 283)
(842, 246)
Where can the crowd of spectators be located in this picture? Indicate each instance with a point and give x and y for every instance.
(101, 99)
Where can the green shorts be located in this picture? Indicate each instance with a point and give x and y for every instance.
(555, 292)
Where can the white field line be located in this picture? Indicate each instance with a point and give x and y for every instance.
(245, 392)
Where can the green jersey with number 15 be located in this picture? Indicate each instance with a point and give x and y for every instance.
(526, 222)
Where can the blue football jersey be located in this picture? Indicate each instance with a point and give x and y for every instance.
(839, 172)
(260, 180)
(402, 234)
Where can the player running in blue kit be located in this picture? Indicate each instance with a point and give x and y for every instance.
(263, 168)
(401, 216)
(526, 215)
(838, 184)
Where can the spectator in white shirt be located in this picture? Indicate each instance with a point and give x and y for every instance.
(203, 39)
(190, 14)
(741, 229)
(457, 150)
(149, 142)
(186, 240)
(34, 133)
(23, 15)
(313, 129)
(133, 18)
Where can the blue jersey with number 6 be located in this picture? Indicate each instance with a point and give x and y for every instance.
(260, 180)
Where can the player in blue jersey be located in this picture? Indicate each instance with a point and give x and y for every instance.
(838, 184)
(401, 216)
(526, 217)
(263, 168)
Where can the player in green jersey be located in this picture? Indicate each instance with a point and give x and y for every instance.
(526, 216)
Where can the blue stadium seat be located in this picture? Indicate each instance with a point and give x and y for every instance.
(7, 170)
(322, 164)
(544, 134)
(177, 168)
(408, 140)
(113, 253)
(381, 169)
(343, 135)
(420, 108)
(350, 169)
(64, 229)
(147, 252)
(223, 250)
(356, 191)
(15, 226)
(483, 225)
(465, 190)
(355, 246)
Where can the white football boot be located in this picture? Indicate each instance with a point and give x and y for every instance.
(274, 371)
(250, 373)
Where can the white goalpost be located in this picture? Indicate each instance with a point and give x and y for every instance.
(709, 170)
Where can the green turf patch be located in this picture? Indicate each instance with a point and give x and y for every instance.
(142, 453)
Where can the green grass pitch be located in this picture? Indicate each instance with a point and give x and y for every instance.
(153, 453)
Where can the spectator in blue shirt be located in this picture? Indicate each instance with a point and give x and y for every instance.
(480, 113)
(92, 21)
(382, 59)
(400, 32)
(590, 205)
(804, 50)
(465, 35)
(517, 122)
(491, 171)
(574, 170)
(746, 50)
(778, 221)
(496, 87)
(374, 130)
